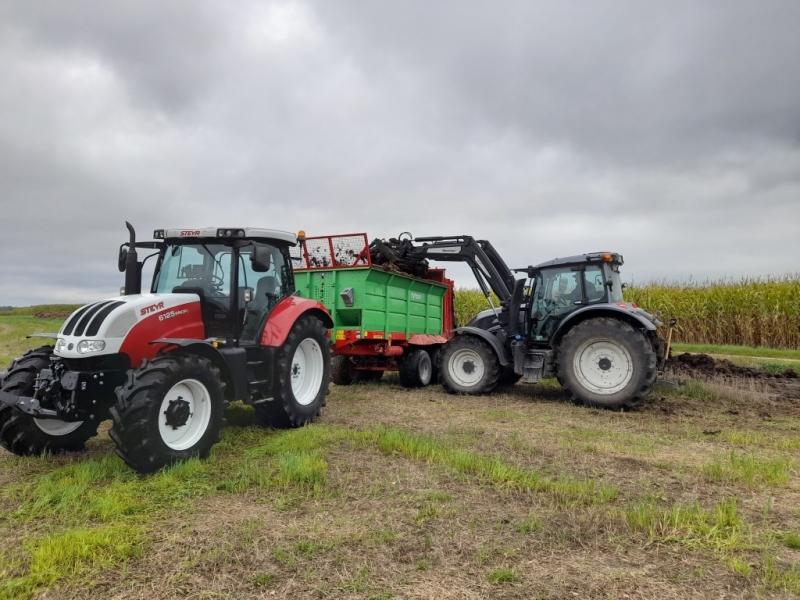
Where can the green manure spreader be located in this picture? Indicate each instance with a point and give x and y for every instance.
(384, 319)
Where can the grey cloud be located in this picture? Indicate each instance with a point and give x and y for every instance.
(665, 131)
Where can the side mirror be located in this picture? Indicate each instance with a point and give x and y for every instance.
(123, 259)
(260, 259)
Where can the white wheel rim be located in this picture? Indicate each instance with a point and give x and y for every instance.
(57, 427)
(603, 367)
(306, 371)
(466, 367)
(185, 435)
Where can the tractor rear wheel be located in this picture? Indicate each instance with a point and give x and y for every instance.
(468, 365)
(302, 375)
(26, 435)
(170, 410)
(415, 369)
(606, 363)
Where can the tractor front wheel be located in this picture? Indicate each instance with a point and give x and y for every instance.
(302, 376)
(170, 410)
(606, 363)
(26, 435)
(468, 365)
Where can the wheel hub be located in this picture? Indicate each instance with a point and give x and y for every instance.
(604, 364)
(468, 367)
(178, 412)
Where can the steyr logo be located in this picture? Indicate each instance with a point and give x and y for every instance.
(152, 308)
(189, 233)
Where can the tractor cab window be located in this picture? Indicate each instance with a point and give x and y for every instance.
(202, 269)
(594, 282)
(266, 289)
(554, 294)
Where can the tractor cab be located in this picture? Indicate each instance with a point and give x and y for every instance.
(238, 275)
(564, 286)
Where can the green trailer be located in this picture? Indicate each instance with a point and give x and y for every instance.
(383, 320)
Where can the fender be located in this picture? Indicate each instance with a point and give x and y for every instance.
(285, 315)
(493, 341)
(633, 317)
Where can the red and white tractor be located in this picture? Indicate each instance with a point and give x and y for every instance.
(220, 322)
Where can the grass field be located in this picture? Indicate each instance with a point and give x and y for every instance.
(420, 494)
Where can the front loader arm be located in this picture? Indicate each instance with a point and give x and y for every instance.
(487, 265)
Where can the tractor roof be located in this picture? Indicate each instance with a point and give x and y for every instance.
(578, 259)
(226, 233)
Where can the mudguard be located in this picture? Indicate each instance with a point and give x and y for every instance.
(634, 317)
(499, 350)
(285, 315)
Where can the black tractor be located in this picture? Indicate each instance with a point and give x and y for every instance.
(566, 319)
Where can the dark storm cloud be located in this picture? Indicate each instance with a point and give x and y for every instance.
(668, 132)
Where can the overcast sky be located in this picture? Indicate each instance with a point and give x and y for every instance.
(667, 131)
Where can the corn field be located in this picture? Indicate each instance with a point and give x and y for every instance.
(748, 312)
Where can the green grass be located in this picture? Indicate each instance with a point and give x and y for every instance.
(13, 330)
(565, 490)
(76, 552)
(720, 528)
(503, 575)
(749, 470)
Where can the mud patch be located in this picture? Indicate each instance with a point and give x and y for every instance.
(707, 366)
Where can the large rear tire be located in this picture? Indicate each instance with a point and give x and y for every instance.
(606, 363)
(468, 365)
(26, 435)
(302, 376)
(171, 409)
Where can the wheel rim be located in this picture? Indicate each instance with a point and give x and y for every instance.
(306, 371)
(603, 366)
(425, 370)
(184, 414)
(466, 367)
(57, 427)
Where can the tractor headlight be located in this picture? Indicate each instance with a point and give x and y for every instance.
(61, 344)
(90, 346)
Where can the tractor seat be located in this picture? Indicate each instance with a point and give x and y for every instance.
(265, 295)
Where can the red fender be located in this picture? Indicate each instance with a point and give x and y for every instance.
(285, 315)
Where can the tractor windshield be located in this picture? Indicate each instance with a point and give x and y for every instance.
(203, 266)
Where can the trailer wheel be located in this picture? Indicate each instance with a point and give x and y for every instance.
(343, 372)
(468, 366)
(606, 363)
(25, 435)
(415, 369)
(303, 372)
(171, 409)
